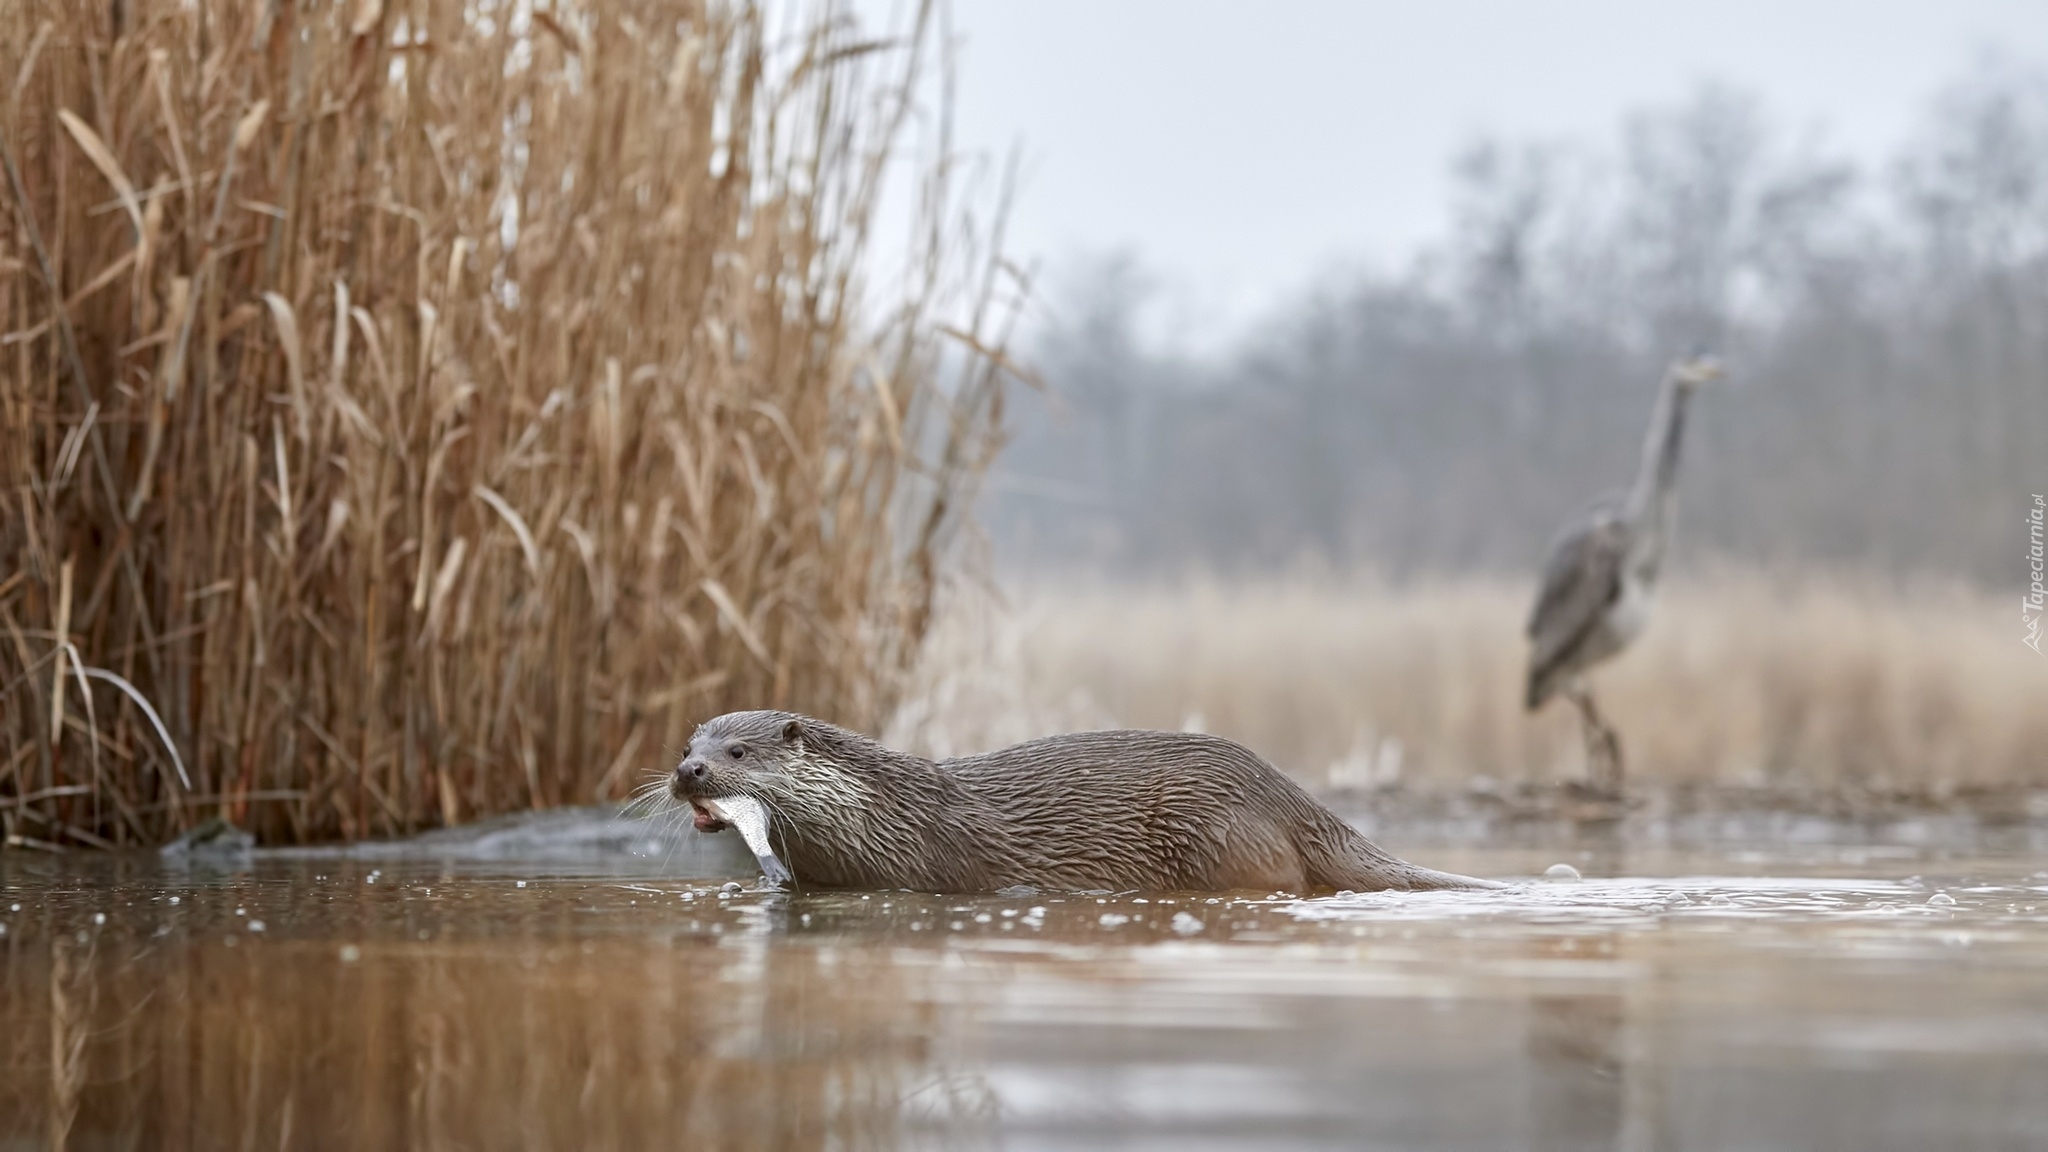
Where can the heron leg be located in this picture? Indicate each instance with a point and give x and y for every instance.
(1604, 768)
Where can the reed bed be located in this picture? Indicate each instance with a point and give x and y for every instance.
(415, 411)
(1804, 691)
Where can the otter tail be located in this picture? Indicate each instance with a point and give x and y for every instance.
(1415, 878)
(1351, 861)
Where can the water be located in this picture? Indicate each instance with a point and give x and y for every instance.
(562, 983)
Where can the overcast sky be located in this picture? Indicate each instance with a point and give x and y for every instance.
(1241, 149)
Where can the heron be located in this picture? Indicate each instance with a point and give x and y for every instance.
(1601, 579)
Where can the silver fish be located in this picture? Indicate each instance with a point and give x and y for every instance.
(751, 818)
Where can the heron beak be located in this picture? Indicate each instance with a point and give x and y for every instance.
(1702, 369)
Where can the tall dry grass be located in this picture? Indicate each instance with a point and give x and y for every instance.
(1809, 689)
(449, 404)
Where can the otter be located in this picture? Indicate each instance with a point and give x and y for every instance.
(1115, 811)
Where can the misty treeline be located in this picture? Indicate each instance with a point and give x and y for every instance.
(1886, 326)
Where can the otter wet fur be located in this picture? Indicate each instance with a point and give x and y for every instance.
(1094, 811)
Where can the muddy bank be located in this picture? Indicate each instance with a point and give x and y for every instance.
(1701, 815)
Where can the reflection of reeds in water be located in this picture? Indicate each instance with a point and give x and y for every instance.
(511, 1042)
(1741, 682)
(71, 990)
(450, 406)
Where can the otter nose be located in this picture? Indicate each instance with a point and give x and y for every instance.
(689, 771)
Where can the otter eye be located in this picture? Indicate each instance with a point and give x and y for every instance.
(736, 751)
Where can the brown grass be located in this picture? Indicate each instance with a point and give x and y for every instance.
(449, 408)
(1805, 686)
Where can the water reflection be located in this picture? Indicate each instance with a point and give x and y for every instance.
(189, 1025)
(379, 1003)
(1576, 1070)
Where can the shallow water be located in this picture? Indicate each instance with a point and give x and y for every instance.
(564, 983)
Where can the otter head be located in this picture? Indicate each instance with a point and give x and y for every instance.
(737, 754)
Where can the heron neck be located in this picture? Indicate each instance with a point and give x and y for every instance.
(1650, 501)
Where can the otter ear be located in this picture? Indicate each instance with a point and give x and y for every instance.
(792, 730)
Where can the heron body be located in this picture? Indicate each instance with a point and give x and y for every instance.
(1597, 594)
(1600, 582)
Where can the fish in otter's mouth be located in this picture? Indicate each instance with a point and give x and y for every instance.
(748, 815)
(704, 817)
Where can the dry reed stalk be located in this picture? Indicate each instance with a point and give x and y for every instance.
(1805, 686)
(420, 405)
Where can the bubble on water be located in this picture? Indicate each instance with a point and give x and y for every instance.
(522, 883)
(255, 925)
(350, 953)
(99, 917)
(1561, 873)
(241, 911)
(1187, 925)
(1113, 919)
(805, 918)
(982, 918)
(174, 900)
(17, 907)
(1941, 898)
(957, 925)
(731, 888)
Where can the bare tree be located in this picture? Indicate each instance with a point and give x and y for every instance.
(1889, 327)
